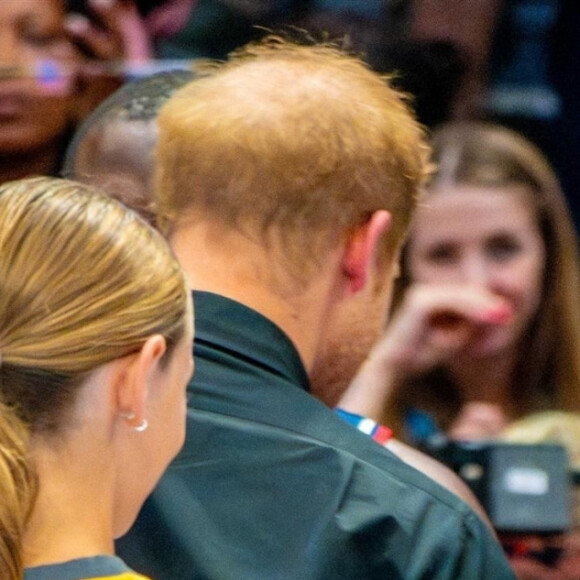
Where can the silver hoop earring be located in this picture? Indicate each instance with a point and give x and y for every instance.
(142, 427)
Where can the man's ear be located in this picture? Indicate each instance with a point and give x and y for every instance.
(360, 250)
(133, 388)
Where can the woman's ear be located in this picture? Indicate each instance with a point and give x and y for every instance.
(133, 388)
(360, 250)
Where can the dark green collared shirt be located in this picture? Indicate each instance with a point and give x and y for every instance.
(272, 485)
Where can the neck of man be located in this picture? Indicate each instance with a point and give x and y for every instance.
(233, 265)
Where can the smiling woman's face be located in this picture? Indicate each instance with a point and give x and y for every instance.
(33, 114)
(488, 237)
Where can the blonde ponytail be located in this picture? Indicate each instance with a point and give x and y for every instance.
(18, 486)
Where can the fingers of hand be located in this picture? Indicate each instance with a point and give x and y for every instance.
(447, 309)
(94, 40)
(435, 322)
(116, 31)
(122, 20)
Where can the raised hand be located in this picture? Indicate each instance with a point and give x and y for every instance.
(117, 31)
(433, 323)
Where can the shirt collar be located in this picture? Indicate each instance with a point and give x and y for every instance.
(94, 567)
(248, 334)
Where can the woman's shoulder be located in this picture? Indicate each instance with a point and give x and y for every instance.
(97, 567)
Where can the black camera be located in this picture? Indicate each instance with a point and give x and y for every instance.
(523, 488)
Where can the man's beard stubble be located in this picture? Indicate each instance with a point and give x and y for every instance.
(341, 357)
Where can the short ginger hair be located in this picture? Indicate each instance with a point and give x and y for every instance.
(303, 141)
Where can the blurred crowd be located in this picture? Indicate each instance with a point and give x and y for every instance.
(512, 61)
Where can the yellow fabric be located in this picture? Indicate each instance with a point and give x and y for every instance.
(548, 427)
(125, 576)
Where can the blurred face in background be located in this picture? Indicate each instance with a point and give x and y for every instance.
(488, 237)
(34, 113)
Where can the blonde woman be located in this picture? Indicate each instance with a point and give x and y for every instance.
(95, 344)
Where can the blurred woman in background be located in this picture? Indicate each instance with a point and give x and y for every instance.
(493, 222)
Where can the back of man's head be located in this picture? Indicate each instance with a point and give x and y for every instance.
(300, 142)
(113, 148)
